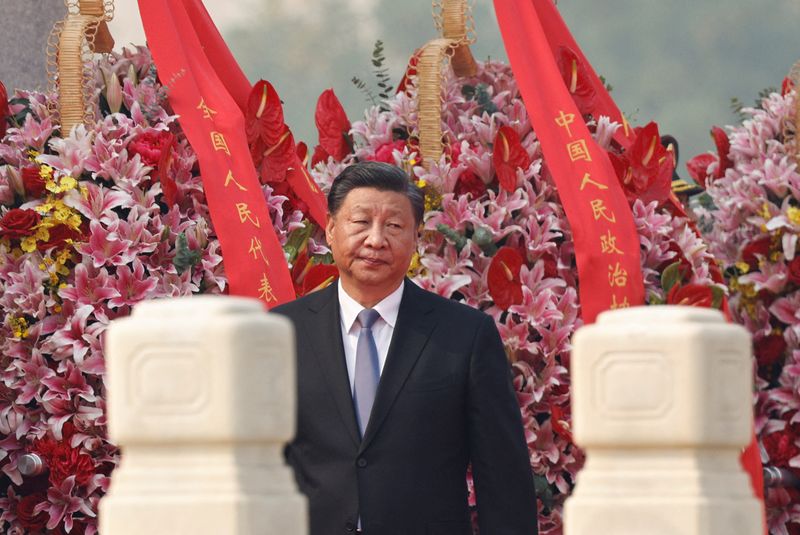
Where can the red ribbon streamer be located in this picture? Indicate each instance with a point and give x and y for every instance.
(214, 125)
(606, 241)
(228, 71)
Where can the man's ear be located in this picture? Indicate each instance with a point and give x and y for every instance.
(329, 223)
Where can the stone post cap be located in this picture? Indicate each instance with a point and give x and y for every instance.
(206, 369)
(662, 376)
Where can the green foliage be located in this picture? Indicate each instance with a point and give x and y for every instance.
(458, 239)
(737, 106)
(382, 79)
(671, 276)
(185, 258)
(481, 95)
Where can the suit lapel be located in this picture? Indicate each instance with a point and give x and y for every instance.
(329, 350)
(414, 326)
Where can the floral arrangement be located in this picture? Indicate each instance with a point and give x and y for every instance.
(496, 238)
(91, 224)
(750, 216)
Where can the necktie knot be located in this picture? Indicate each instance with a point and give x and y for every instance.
(368, 317)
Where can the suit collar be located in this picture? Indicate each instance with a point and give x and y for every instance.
(329, 351)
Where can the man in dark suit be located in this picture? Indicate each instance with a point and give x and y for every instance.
(400, 389)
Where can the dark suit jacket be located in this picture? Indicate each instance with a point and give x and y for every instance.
(444, 400)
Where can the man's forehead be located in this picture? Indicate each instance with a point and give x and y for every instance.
(371, 199)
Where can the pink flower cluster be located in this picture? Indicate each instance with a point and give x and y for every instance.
(751, 219)
(86, 232)
(471, 221)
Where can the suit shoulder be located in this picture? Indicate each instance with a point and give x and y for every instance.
(301, 305)
(452, 308)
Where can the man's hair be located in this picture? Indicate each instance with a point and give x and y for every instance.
(377, 175)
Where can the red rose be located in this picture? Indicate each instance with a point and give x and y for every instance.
(58, 237)
(781, 447)
(385, 153)
(469, 183)
(759, 247)
(63, 461)
(769, 349)
(18, 223)
(149, 146)
(695, 295)
(794, 270)
(33, 181)
(28, 520)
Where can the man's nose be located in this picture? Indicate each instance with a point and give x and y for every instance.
(376, 237)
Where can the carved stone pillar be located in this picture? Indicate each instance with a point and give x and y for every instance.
(662, 404)
(201, 399)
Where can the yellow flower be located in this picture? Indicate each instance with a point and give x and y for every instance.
(415, 265)
(46, 172)
(743, 267)
(422, 183)
(19, 326)
(68, 183)
(793, 213)
(33, 153)
(28, 244)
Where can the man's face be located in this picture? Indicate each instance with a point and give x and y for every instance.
(373, 236)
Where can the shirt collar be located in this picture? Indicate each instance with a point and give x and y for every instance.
(388, 307)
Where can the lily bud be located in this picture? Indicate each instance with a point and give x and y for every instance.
(132, 76)
(15, 181)
(113, 93)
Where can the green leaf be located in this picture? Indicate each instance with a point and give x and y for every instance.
(185, 258)
(543, 490)
(484, 239)
(671, 276)
(297, 240)
(718, 294)
(458, 239)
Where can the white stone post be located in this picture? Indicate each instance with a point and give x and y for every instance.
(201, 399)
(662, 404)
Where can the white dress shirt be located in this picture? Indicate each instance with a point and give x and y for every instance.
(382, 329)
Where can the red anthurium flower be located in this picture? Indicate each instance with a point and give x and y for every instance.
(385, 153)
(279, 157)
(576, 78)
(650, 165)
(4, 110)
(696, 295)
(319, 277)
(786, 86)
(508, 155)
(723, 149)
(333, 126)
(505, 285)
(411, 70)
(264, 114)
(698, 167)
(168, 185)
(319, 155)
(302, 153)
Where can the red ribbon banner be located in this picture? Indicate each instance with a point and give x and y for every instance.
(228, 71)
(606, 242)
(214, 125)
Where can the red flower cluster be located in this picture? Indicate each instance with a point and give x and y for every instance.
(150, 145)
(781, 446)
(698, 166)
(30, 521)
(33, 182)
(63, 461)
